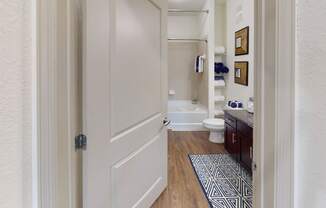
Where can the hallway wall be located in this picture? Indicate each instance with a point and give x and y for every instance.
(310, 132)
(16, 74)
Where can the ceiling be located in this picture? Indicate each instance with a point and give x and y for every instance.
(189, 4)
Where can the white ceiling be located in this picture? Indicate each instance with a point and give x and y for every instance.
(189, 4)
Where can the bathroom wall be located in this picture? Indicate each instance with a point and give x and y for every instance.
(183, 26)
(16, 74)
(310, 109)
(182, 76)
(220, 23)
(240, 14)
(183, 80)
(204, 77)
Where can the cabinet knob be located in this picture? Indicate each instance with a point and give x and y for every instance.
(251, 153)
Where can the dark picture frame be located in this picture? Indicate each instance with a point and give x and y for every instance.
(241, 72)
(242, 42)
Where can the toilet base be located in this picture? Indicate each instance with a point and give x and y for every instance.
(216, 137)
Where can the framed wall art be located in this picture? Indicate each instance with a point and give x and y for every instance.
(242, 42)
(241, 72)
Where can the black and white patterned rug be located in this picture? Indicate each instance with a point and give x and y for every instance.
(225, 183)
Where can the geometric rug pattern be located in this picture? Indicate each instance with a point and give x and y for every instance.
(225, 183)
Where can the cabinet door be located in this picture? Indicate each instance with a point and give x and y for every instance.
(246, 150)
(232, 143)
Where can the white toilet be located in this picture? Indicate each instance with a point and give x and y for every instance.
(216, 127)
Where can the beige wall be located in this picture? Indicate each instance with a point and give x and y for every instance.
(204, 77)
(16, 70)
(220, 23)
(240, 14)
(187, 84)
(310, 109)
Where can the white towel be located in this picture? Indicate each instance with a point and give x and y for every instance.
(199, 65)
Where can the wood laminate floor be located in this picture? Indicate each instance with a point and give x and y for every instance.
(183, 189)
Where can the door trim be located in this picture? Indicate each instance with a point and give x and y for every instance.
(275, 97)
(282, 86)
(53, 89)
(46, 63)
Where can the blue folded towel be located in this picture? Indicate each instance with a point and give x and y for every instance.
(219, 77)
(221, 68)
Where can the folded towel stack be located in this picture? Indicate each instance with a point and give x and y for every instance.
(235, 104)
(221, 68)
(199, 66)
(219, 77)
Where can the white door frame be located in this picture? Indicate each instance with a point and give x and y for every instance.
(274, 92)
(56, 78)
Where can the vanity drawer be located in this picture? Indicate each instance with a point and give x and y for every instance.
(230, 120)
(244, 129)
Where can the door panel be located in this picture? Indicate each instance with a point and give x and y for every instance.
(124, 102)
(128, 174)
(125, 143)
(135, 64)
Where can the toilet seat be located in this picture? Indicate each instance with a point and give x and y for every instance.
(214, 123)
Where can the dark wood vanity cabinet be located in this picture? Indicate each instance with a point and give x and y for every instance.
(232, 144)
(246, 150)
(239, 137)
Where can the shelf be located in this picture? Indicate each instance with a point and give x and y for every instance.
(183, 11)
(188, 39)
(219, 113)
(219, 84)
(219, 99)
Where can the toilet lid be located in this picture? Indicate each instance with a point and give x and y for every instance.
(214, 122)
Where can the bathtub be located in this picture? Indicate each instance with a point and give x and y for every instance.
(185, 116)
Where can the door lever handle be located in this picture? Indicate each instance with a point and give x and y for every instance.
(166, 122)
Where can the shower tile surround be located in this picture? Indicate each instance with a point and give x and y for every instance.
(187, 84)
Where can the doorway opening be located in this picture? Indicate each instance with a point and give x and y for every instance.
(210, 103)
(203, 53)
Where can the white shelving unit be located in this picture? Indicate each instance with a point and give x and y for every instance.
(219, 84)
(219, 113)
(219, 98)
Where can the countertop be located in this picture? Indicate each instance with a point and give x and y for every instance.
(242, 115)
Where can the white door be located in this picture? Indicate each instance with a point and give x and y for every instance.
(124, 102)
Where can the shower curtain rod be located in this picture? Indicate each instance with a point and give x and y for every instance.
(188, 11)
(187, 39)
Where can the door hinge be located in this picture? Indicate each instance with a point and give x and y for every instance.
(253, 166)
(80, 142)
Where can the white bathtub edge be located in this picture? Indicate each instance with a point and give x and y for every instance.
(187, 127)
